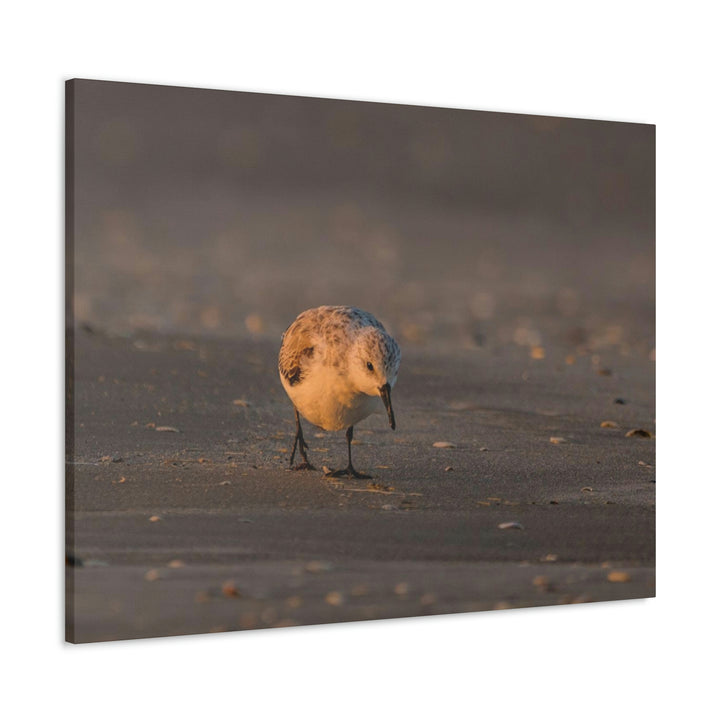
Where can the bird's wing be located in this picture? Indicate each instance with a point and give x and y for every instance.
(296, 351)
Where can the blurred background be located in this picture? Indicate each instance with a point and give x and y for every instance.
(227, 213)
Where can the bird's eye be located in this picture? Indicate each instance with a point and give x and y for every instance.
(370, 367)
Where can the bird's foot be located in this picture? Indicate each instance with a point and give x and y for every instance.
(350, 472)
(303, 466)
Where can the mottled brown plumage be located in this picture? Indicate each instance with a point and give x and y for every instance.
(336, 363)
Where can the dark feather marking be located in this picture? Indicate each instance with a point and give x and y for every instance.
(294, 372)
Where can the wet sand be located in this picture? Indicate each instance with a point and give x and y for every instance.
(201, 527)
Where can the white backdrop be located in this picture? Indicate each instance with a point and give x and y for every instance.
(633, 61)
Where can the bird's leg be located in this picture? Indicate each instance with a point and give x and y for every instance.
(350, 471)
(301, 445)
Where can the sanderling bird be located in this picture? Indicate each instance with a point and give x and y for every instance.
(337, 365)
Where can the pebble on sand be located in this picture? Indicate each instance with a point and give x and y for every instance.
(618, 576)
(557, 440)
(444, 444)
(334, 598)
(229, 589)
(318, 566)
(608, 424)
(542, 582)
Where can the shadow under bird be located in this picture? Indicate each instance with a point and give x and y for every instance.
(338, 365)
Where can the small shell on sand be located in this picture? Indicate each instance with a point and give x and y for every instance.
(513, 525)
(638, 432)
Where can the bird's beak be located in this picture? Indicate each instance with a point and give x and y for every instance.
(385, 395)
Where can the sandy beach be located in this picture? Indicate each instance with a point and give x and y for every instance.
(511, 256)
(184, 517)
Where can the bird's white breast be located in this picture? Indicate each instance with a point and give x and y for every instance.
(326, 399)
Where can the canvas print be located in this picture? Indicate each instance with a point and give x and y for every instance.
(333, 361)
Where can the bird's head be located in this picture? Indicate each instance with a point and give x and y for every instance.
(375, 364)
